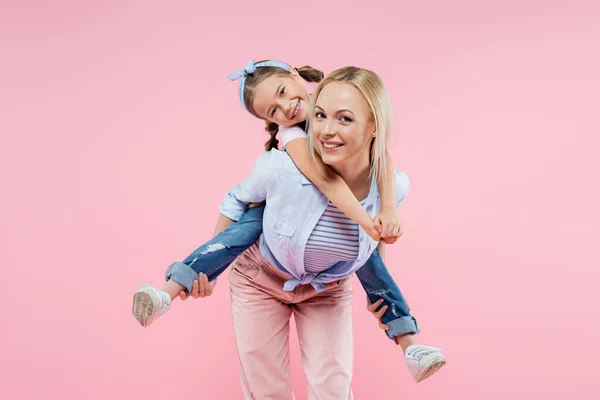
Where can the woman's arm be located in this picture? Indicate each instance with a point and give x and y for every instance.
(202, 287)
(222, 223)
(381, 250)
(387, 222)
(253, 189)
(331, 184)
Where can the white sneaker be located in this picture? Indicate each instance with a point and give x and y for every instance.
(150, 303)
(423, 361)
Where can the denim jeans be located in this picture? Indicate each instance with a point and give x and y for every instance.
(214, 256)
(379, 284)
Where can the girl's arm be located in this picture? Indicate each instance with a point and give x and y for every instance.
(331, 184)
(387, 222)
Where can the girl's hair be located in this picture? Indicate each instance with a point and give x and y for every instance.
(254, 79)
(370, 85)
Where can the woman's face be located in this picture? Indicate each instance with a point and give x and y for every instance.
(282, 99)
(342, 125)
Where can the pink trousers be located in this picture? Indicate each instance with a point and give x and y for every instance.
(261, 321)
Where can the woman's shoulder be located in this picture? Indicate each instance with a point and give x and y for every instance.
(276, 160)
(402, 186)
(402, 180)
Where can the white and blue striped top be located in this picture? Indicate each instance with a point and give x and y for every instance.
(334, 239)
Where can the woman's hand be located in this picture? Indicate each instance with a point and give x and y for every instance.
(200, 288)
(389, 226)
(373, 309)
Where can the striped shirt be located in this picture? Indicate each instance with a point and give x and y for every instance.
(334, 239)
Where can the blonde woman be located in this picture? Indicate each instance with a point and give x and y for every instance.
(290, 270)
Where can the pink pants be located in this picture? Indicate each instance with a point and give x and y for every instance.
(261, 321)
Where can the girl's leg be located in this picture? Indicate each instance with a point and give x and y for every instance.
(379, 284)
(422, 361)
(212, 258)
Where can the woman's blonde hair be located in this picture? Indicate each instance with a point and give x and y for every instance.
(370, 85)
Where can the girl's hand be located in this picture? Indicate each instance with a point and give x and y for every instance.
(372, 231)
(389, 226)
(200, 288)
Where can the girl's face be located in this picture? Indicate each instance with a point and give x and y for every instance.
(342, 125)
(282, 99)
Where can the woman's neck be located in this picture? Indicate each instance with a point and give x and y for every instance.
(356, 174)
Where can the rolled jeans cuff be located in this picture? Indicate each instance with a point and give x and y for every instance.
(402, 326)
(182, 274)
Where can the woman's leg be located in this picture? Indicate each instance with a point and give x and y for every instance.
(324, 324)
(261, 323)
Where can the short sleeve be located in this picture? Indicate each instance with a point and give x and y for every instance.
(289, 133)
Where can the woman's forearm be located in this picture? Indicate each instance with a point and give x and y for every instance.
(222, 223)
(381, 250)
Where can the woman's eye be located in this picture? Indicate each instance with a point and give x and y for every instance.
(345, 119)
(273, 112)
(282, 91)
(319, 115)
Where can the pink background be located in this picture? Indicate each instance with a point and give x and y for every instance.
(120, 134)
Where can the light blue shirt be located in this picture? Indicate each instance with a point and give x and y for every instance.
(294, 205)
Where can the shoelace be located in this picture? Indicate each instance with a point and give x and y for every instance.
(420, 352)
(163, 301)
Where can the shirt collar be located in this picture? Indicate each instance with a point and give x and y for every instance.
(373, 190)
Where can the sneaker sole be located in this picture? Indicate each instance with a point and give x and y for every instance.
(143, 310)
(432, 369)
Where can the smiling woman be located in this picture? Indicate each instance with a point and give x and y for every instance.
(353, 103)
(303, 262)
(303, 256)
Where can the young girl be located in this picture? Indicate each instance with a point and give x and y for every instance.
(274, 92)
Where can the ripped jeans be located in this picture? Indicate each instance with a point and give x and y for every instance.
(214, 256)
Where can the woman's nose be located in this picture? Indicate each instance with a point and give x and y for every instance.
(328, 128)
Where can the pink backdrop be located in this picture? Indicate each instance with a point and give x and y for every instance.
(120, 134)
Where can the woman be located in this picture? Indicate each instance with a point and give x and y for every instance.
(349, 126)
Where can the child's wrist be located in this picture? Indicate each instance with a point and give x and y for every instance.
(367, 225)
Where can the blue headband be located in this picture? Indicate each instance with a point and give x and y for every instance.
(249, 69)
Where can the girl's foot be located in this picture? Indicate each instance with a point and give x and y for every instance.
(423, 361)
(150, 303)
